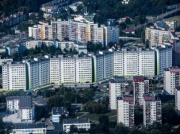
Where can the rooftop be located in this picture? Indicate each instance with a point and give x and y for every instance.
(76, 120)
(24, 101)
(28, 125)
(118, 80)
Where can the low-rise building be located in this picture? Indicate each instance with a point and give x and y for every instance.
(80, 123)
(24, 128)
(57, 112)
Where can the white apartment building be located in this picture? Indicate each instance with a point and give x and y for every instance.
(98, 61)
(21, 105)
(26, 128)
(12, 104)
(151, 110)
(130, 62)
(111, 35)
(125, 111)
(80, 123)
(140, 87)
(177, 99)
(163, 58)
(117, 88)
(26, 110)
(103, 65)
(35, 31)
(76, 69)
(171, 80)
(80, 31)
(157, 37)
(38, 72)
(5, 60)
(13, 76)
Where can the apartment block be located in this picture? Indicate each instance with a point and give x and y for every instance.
(171, 80)
(103, 65)
(75, 31)
(14, 75)
(163, 58)
(177, 99)
(76, 69)
(156, 36)
(151, 110)
(38, 72)
(117, 88)
(140, 87)
(21, 105)
(130, 62)
(125, 111)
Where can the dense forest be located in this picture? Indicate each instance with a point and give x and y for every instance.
(114, 9)
(7, 7)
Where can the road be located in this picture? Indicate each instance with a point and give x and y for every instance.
(159, 17)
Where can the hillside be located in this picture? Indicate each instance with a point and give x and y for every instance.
(8, 7)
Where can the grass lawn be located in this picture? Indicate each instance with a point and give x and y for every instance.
(95, 117)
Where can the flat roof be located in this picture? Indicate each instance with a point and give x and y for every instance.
(28, 125)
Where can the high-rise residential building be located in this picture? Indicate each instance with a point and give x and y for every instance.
(176, 53)
(117, 87)
(140, 87)
(171, 80)
(177, 99)
(35, 31)
(13, 76)
(163, 58)
(80, 31)
(156, 36)
(125, 111)
(111, 34)
(151, 110)
(76, 69)
(103, 65)
(38, 72)
(130, 62)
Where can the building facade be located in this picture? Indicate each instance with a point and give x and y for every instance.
(151, 110)
(177, 99)
(156, 36)
(27, 128)
(163, 58)
(14, 76)
(80, 123)
(171, 80)
(140, 87)
(116, 89)
(125, 111)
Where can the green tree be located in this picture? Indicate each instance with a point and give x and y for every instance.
(121, 129)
